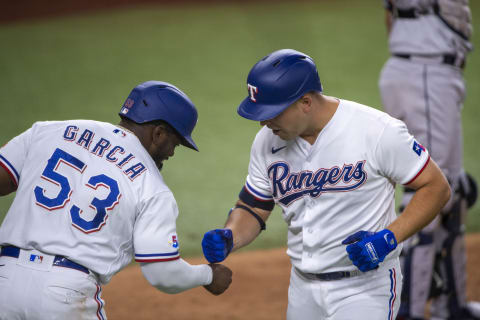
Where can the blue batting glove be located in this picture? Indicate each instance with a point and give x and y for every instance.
(217, 244)
(368, 249)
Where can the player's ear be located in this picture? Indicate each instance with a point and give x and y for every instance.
(159, 134)
(306, 103)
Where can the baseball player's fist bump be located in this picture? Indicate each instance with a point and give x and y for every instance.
(221, 279)
(217, 244)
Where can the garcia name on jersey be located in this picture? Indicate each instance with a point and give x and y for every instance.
(102, 145)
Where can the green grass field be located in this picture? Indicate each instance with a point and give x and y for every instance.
(84, 67)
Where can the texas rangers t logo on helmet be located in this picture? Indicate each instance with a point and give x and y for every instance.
(252, 91)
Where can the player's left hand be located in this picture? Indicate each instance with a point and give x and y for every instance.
(221, 279)
(367, 249)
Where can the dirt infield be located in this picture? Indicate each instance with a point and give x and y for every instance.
(258, 291)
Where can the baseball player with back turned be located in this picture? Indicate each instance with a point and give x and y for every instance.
(90, 196)
(331, 165)
(422, 84)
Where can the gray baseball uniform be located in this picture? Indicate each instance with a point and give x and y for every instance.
(422, 84)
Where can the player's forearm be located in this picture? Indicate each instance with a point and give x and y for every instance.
(421, 210)
(244, 228)
(176, 276)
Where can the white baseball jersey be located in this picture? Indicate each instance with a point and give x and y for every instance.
(88, 191)
(341, 184)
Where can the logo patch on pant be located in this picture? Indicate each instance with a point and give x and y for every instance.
(36, 258)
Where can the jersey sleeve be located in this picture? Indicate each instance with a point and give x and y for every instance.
(14, 153)
(154, 236)
(257, 183)
(400, 157)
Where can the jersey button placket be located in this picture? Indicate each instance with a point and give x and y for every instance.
(308, 232)
(309, 203)
(309, 240)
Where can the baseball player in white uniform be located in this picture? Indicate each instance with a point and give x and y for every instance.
(422, 84)
(331, 165)
(89, 198)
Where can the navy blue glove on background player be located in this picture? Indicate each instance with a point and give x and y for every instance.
(367, 249)
(217, 244)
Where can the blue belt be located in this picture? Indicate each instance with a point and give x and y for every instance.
(58, 261)
(329, 276)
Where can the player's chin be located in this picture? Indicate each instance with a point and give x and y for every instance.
(279, 133)
(284, 136)
(159, 165)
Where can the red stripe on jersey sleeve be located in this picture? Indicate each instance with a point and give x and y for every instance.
(157, 260)
(419, 172)
(12, 177)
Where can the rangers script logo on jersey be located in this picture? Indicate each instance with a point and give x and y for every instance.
(290, 186)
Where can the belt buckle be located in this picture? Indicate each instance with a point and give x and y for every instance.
(454, 60)
(449, 59)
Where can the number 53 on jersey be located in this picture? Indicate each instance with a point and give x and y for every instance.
(101, 206)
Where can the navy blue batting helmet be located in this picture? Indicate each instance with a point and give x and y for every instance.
(277, 81)
(157, 100)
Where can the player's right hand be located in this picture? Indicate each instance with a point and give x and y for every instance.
(221, 279)
(217, 244)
